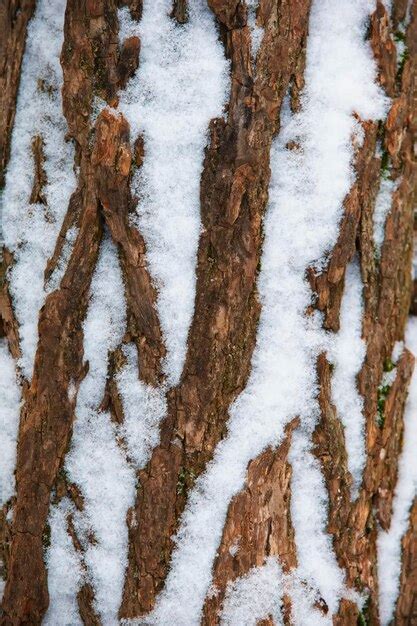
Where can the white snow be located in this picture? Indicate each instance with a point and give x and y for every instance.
(180, 86)
(389, 542)
(143, 408)
(307, 190)
(30, 231)
(65, 570)
(10, 399)
(257, 32)
(347, 354)
(254, 597)
(95, 462)
(317, 564)
(259, 594)
(383, 204)
(59, 271)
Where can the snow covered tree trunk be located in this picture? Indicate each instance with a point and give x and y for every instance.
(208, 414)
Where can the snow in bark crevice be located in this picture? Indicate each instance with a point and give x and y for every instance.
(182, 83)
(97, 462)
(389, 542)
(30, 230)
(260, 592)
(306, 195)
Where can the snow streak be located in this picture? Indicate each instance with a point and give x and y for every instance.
(389, 542)
(347, 354)
(30, 230)
(254, 597)
(10, 397)
(180, 86)
(259, 594)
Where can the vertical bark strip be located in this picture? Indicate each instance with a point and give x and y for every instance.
(113, 161)
(93, 67)
(46, 420)
(234, 189)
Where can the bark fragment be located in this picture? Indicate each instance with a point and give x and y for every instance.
(406, 610)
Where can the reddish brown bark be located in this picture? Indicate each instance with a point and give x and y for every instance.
(386, 297)
(234, 193)
(48, 412)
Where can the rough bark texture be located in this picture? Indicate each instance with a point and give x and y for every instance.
(234, 195)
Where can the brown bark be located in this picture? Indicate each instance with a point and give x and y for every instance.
(233, 194)
(48, 412)
(14, 18)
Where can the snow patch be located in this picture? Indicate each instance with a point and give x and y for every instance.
(383, 204)
(347, 354)
(10, 399)
(317, 564)
(259, 594)
(254, 597)
(30, 230)
(95, 462)
(180, 86)
(257, 32)
(59, 271)
(306, 195)
(389, 542)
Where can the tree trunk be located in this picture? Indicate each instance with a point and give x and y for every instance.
(206, 400)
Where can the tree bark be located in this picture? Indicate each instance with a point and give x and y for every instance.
(234, 185)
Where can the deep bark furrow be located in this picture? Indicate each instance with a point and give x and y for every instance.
(234, 191)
